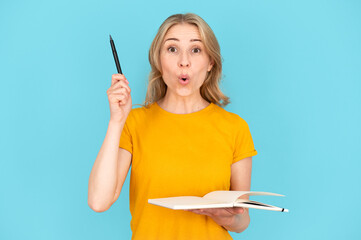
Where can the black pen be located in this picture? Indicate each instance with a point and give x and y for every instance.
(115, 55)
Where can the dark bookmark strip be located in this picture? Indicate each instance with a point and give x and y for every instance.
(258, 204)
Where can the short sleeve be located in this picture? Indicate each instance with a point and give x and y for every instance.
(125, 141)
(244, 146)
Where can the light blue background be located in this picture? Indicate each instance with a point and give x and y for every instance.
(292, 70)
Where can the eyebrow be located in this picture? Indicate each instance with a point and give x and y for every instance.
(176, 39)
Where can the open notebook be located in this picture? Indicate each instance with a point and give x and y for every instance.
(216, 199)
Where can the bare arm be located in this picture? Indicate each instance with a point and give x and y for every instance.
(109, 170)
(112, 163)
(241, 181)
(124, 162)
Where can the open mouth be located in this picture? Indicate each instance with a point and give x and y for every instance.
(184, 80)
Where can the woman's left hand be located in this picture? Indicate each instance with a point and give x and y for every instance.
(222, 216)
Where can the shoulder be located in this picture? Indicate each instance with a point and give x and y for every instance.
(230, 117)
(138, 113)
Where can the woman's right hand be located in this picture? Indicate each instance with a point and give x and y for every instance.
(120, 101)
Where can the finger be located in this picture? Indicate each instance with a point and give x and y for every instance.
(117, 92)
(116, 82)
(118, 98)
(206, 212)
(123, 100)
(189, 210)
(121, 90)
(118, 77)
(124, 96)
(121, 84)
(242, 210)
(214, 211)
(198, 211)
(238, 210)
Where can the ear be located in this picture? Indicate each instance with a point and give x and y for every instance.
(210, 66)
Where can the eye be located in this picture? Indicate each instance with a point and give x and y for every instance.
(196, 50)
(172, 49)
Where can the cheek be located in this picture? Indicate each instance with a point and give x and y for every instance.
(202, 64)
(166, 68)
(165, 65)
(202, 70)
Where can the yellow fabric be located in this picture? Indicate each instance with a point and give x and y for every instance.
(180, 155)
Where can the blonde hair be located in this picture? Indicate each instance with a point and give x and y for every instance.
(210, 90)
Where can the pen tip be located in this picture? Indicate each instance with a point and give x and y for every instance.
(110, 37)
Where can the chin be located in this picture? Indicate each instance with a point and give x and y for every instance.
(184, 93)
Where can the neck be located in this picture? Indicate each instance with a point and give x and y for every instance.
(182, 105)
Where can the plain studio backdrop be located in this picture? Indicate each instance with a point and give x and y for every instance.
(292, 70)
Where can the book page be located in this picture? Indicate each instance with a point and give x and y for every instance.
(232, 196)
(224, 196)
(187, 202)
(215, 199)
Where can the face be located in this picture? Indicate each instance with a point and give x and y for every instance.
(184, 61)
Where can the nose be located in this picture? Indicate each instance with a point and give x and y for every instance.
(184, 60)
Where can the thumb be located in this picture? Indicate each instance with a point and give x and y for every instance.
(238, 210)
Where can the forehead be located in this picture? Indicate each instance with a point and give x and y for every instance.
(183, 31)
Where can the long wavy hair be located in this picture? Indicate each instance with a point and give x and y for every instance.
(210, 90)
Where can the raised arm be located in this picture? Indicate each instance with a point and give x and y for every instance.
(109, 171)
(112, 163)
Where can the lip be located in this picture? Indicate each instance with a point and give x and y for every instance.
(183, 76)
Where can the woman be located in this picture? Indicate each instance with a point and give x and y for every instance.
(181, 142)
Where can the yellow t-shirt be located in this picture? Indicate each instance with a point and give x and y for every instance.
(180, 155)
